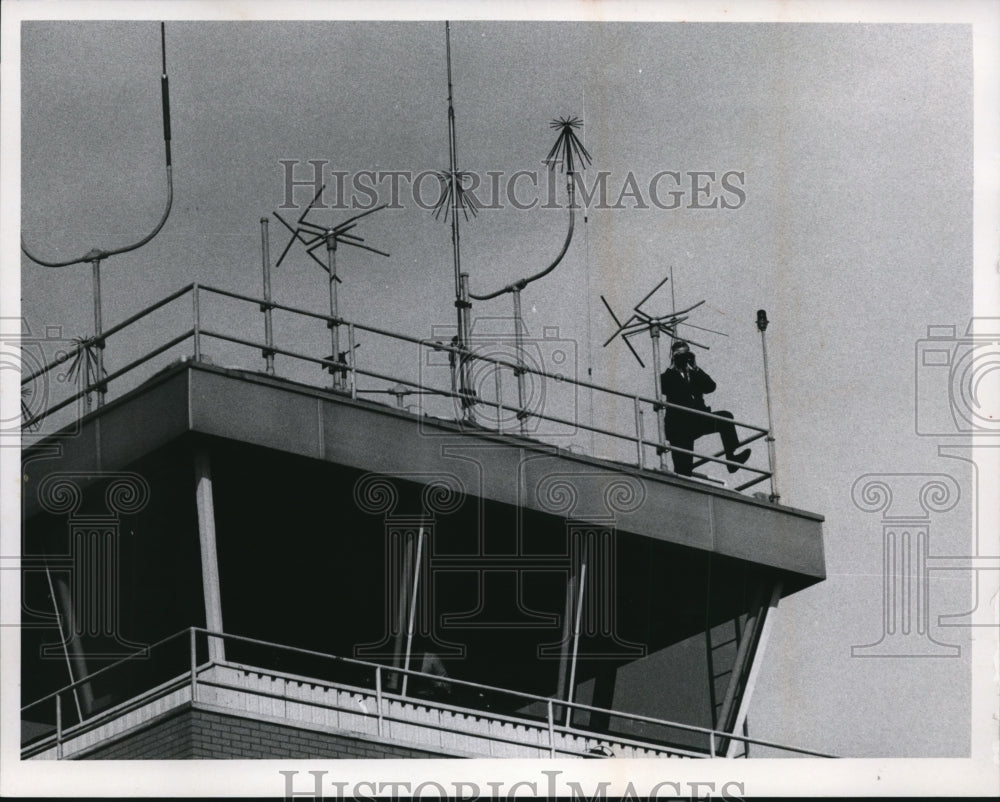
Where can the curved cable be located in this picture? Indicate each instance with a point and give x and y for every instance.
(567, 149)
(98, 253)
(520, 284)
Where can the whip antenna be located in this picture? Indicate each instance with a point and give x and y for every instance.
(95, 345)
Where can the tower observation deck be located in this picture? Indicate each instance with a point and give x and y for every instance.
(227, 559)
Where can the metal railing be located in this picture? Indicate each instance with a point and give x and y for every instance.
(48, 721)
(346, 372)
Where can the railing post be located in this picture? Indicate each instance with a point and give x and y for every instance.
(519, 371)
(378, 697)
(350, 360)
(196, 309)
(265, 250)
(552, 729)
(98, 334)
(59, 749)
(498, 381)
(466, 392)
(638, 431)
(331, 258)
(660, 410)
(194, 666)
(711, 743)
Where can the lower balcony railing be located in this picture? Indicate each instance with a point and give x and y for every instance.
(311, 689)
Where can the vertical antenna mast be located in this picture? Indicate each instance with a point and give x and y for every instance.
(453, 174)
(462, 303)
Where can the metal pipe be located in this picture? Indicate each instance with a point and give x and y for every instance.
(62, 639)
(196, 317)
(350, 359)
(413, 607)
(659, 409)
(59, 747)
(194, 665)
(464, 336)
(498, 382)
(638, 431)
(331, 259)
(576, 644)
(378, 697)
(762, 322)
(265, 255)
(552, 728)
(98, 341)
(519, 350)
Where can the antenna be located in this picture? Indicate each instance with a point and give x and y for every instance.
(640, 321)
(453, 197)
(95, 361)
(567, 151)
(312, 236)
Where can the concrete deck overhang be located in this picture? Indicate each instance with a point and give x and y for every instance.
(192, 398)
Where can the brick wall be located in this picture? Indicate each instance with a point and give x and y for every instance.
(203, 734)
(166, 739)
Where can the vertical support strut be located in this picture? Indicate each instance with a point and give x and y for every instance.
(413, 605)
(465, 390)
(211, 586)
(756, 661)
(522, 413)
(98, 331)
(196, 322)
(331, 260)
(576, 641)
(265, 256)
(654, 334)
(63, 640)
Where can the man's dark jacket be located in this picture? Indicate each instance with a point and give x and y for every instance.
(690, 393)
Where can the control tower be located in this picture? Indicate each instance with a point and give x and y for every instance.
(224, 561)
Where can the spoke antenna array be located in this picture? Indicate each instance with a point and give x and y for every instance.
(94, 346)
(314, 236)
(641, 321)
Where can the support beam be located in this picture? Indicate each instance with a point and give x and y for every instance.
(73, 648)
(767, 616)
(209, 554)
(414, 590)
(741, 664)
(401, 579)
(571, 691)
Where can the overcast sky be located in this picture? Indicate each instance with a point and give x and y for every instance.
(851, 147)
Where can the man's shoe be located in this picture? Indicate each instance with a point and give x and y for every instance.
(741, 458)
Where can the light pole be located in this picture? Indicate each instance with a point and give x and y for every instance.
(762, 322)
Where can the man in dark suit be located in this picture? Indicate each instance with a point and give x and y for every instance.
(685, 384)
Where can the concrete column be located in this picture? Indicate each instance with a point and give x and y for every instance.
(209, 554)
